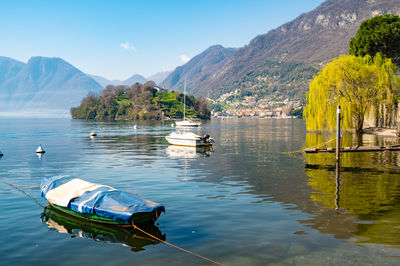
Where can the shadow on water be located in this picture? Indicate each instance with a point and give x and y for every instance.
(360, 198)
(67, 224)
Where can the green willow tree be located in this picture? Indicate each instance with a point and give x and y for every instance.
(380, 34)
(358, 84)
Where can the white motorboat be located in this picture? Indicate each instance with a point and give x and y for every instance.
(186, 122)
(189, 139)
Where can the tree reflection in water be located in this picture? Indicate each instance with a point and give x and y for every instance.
(361, 196)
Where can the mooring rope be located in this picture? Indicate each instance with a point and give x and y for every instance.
(23, 192)
(302, 150)
(139, 237)
(169, 244)
(15, 185)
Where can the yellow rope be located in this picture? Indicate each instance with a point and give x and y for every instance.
(169, 244)
(316, 146)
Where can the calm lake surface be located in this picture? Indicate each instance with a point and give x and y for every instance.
(244, 203)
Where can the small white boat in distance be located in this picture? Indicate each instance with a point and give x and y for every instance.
(188, 123)
(40, 149)
(189, 139)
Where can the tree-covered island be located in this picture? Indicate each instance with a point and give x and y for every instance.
(139, 102)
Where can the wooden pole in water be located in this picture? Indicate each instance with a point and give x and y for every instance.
(337, 193)
(338, 133)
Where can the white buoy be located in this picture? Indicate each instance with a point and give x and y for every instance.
(40, 149)
(172, 125)
(134, 126)
(93, 134)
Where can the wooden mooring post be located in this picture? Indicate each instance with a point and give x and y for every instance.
(338, 150)
(338, 133)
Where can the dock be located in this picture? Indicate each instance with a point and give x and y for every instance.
(355, 149)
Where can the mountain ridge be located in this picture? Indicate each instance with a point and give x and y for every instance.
(304, 44)
(204, 62)
(135, 78)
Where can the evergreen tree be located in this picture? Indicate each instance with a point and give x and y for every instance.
(380, 34)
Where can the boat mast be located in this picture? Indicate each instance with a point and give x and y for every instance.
(184, 101)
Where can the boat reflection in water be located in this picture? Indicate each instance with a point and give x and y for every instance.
(188, 152)
(77, 227)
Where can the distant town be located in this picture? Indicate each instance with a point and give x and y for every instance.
(227, 105)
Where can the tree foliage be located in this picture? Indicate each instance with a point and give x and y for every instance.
(380, 34)
(358, 84)
(138, 102)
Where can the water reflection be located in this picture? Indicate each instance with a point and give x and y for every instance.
(176, 152)
(360, 198)
(67, 224)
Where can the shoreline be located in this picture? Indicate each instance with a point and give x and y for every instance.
(381, 131)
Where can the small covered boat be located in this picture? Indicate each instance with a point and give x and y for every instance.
(98, 203)
(189, 139)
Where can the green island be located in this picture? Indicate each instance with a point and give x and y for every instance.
(139, 102)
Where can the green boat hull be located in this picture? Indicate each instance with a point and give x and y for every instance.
(138, 218)
(67, 223)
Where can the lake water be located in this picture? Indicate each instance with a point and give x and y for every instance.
(244, 203)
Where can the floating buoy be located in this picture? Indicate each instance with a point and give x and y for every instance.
(134, 126)
(40, 149)
(93, 134)
(1, 154)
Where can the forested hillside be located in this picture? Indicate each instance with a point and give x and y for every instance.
(282, 62)
(139, 102)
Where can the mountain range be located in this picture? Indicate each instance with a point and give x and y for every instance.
(281, 62)
(49, 87)
(42, 86)
(278, 64)
(128, 82)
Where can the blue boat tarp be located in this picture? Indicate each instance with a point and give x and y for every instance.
(85, 197)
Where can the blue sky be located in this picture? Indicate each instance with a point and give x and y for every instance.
(116, 39)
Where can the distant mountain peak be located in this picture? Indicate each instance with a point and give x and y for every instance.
(43, 85)
(136, 78)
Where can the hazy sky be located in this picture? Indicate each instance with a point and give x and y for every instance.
(116, 39)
